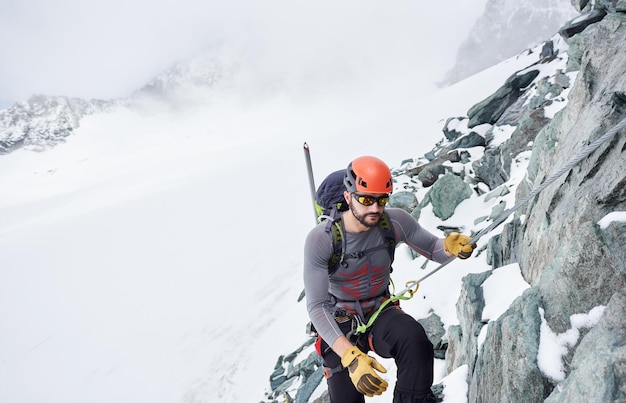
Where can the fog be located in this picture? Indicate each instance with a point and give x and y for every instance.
(106, 50)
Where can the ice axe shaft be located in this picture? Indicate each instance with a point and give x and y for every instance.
(309, 168)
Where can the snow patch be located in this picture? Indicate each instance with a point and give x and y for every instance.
(616, 216)
(500, 290)
(455, 385)
(553, 346)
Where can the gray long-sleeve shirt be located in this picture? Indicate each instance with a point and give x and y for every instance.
(366, 277)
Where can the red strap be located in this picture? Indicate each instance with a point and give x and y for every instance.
(318, 345)
(371, 344)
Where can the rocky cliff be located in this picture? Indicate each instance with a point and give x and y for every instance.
(565, 240)
(572, 262)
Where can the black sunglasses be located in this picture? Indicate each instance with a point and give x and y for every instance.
(368, 200)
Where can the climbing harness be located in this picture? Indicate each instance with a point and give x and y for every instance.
(362, 327)
(412, 286)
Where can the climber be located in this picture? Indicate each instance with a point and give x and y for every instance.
(336, 300)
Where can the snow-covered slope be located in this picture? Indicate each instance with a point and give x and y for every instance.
(158, 258)
(156, 254)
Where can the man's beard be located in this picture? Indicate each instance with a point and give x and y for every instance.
(363, 218)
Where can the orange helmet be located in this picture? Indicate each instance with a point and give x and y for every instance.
(368, 174)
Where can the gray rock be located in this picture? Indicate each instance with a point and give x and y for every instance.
(579, 24)
(449, 128)
(598, 369)
(580, 5)
(494, 168)
(472, 139)
(324, 398)
(312, 382)
(435, 332)
(463, 340)
(404, 200)
(430, 172)
(506, 367)
(503, 249)
(446, 194)
(498, 192)
(494, 106)
(308, 371)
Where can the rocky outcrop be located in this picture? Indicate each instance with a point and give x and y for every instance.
(446, 194)
(492, 108)
(304, 375)
(463, 344)
(571, 262)
(577, 26)
(601, 355)
(506, 365)
(42, 122)
(521, 104)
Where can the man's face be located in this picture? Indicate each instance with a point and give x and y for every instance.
(367, 208)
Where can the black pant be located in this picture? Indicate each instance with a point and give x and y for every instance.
(393, 334)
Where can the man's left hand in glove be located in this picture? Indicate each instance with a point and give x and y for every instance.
(457, 244)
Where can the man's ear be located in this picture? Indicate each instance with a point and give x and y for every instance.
(346, 195)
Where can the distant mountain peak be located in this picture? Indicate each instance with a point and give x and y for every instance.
(505, 29)
(43, 121)
(211, 70)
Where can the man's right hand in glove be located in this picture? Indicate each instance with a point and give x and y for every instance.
(362, 369)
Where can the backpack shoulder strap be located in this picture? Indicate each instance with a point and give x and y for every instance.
(386, 230)
(337, 257)
(334, 224)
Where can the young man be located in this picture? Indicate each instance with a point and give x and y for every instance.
(360, 286)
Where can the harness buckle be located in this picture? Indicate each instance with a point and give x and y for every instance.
(342, 319)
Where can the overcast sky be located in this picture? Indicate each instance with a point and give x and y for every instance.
(107, 49)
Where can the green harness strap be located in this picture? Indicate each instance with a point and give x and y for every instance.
(361, 327)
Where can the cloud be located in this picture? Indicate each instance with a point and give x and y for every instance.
(108, 49)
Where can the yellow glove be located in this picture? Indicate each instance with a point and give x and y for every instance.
(361, 369)
(457, 244)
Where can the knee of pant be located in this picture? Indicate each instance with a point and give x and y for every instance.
(413, 330)
(400, 335)
(414, 339)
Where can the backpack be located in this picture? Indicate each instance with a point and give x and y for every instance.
(329, 203)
